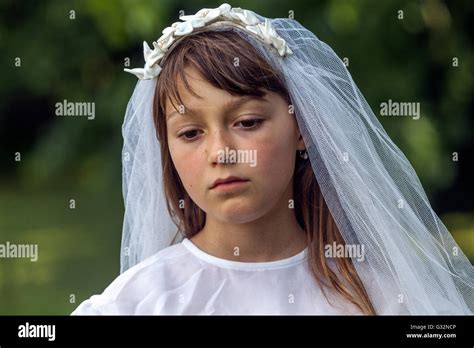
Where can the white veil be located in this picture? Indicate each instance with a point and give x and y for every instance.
(411, 262)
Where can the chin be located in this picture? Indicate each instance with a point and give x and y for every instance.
(237, 215)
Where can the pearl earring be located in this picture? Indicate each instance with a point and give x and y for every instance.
(303, 154)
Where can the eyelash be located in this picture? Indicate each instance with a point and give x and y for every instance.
(258, 123)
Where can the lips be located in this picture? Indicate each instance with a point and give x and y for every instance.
(227, 180)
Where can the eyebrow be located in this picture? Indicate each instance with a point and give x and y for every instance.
(229, 106)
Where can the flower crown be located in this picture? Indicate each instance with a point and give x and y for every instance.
(225, 13)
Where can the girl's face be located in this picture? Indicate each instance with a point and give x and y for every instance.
(200, 131)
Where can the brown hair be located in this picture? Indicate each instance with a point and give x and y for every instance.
(212, 54)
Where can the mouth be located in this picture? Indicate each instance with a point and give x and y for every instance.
(228, 182)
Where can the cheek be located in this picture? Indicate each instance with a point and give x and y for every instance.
(275, 157)
(187, 163)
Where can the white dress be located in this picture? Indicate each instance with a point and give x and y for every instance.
(183, 279)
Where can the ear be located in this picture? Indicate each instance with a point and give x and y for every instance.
(301, 145)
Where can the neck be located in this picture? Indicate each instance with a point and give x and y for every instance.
(274, 236)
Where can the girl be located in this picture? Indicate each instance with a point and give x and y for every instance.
(328, 218)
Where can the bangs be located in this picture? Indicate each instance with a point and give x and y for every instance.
(225, 60)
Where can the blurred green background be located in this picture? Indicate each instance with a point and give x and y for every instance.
(76, 50)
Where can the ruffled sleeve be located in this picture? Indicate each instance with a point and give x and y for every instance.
(96, 305)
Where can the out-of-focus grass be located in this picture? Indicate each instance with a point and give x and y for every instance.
(78, 249)
(461, 227)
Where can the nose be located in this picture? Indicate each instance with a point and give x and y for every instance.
(218, 140)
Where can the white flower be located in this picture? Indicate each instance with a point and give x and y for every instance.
(164, 42)
(267, 31)
(183, 28)
(244, 16)
(205, 14)
(152, 56)
(241, 18)
(225, 8)
(213, 14)
(145, 73)
(167, 31)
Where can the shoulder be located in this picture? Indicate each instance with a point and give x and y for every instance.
(155, 273)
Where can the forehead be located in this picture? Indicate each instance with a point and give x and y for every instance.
(196, 83)
(225, 106)
(207, 96)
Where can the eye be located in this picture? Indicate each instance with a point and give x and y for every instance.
(188, 135)
(255, 121)
(249, 124)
